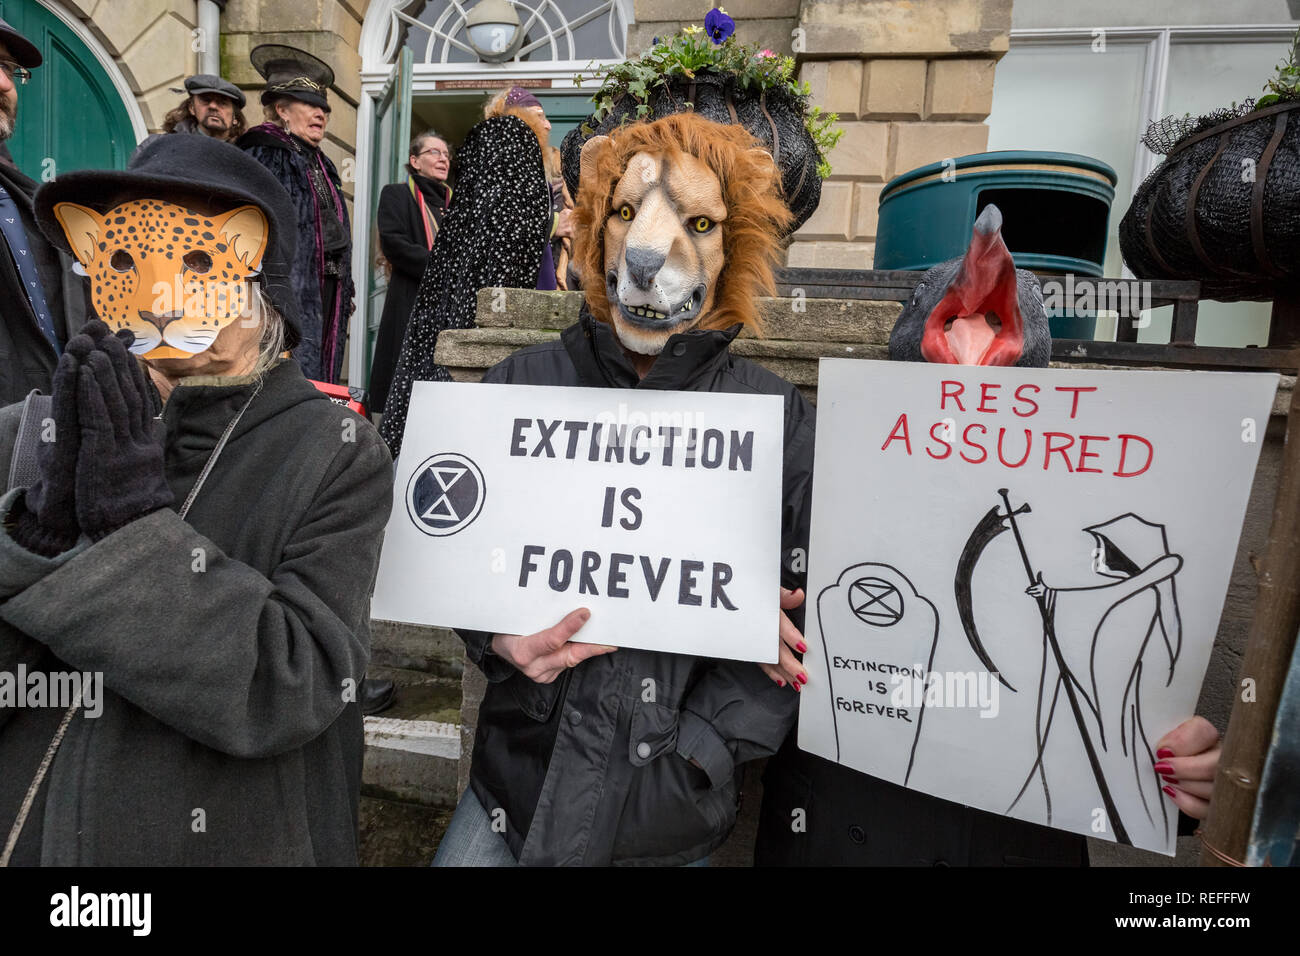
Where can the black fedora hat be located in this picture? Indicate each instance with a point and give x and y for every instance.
(198, 170)
(289, 71)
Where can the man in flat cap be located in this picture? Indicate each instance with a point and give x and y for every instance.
(42, 302)
(212, 106)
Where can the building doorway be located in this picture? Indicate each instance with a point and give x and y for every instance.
(421, 71)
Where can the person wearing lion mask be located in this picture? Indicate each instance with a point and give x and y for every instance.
(677, 224)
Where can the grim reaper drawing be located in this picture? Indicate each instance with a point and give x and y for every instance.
(1129, 626)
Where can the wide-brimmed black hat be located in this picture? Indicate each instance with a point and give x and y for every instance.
(20, 48)
(198, 170)
(292, 72)
(208, 83)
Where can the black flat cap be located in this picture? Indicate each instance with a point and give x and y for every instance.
(207, 83)
(190, 169)
(292, 72)
(20, 48)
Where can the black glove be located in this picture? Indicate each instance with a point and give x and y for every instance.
(45, 516)
(120, 467)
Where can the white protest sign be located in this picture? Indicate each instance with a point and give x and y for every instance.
(935, 661)
(660, 511)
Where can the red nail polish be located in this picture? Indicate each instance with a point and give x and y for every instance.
(803, 679)
(1169, 790)
(1163, 767)
(1168, 779)
(780, 683)
(1164, 752)
(803, 648)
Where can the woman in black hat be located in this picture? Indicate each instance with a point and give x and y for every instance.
(195, 546)
(288, 144)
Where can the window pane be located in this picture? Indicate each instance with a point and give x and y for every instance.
(1066, 97)
(1204, 77)
(599, 35)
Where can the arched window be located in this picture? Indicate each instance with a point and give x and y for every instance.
(519, 31)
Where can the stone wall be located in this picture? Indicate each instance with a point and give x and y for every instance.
(912, 84)
(153, 43)
(328, 29)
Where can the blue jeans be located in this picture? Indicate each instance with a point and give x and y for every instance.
(471, 841)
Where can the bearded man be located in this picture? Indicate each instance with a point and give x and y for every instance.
(212, 107)
(41, 299)
(678, 223)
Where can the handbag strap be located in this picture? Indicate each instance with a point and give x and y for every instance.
(23, 466)
(30, 798)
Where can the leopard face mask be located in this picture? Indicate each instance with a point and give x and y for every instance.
(173, 276)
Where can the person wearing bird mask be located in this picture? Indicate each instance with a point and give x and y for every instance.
(190, 530)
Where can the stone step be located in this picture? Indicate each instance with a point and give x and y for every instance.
(432, 650)
(395, 833)
(413, 748)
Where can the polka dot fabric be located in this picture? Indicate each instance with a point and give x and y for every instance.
(491, 237)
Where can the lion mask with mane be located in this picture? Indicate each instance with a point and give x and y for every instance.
(677, 226)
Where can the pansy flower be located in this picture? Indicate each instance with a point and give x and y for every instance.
(718, 25)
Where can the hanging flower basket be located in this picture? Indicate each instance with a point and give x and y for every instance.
(1223, 208)
(710, 72)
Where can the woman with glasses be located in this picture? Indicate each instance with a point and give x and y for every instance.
(410, 213)
(494, 236)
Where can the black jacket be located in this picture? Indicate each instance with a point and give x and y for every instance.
(230, 645)
(27, 358)
(402, 239)
(586, 770)
(852, 819)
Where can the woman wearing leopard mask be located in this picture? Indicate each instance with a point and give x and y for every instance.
(193, 528)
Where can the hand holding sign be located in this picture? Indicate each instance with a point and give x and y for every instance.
(1188, 760)
(544, 656)
(788, 667)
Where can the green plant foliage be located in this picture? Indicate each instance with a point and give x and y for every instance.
(1286, 84)
(690, 53)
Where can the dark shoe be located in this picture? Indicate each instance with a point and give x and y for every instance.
(377, 696)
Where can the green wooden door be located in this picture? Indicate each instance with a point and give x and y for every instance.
(388, 151)
(565, 111)
(70, 116)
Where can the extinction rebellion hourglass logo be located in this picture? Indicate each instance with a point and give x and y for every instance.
(445, 494)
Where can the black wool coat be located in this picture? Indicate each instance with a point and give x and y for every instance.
(401, 237)
(288, 162)
(27, 358)
(230, 645)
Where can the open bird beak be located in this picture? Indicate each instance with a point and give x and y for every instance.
(978, 321)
